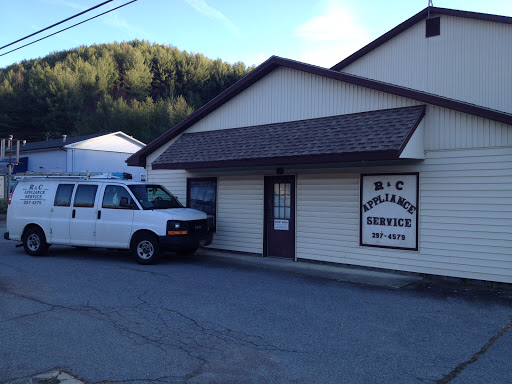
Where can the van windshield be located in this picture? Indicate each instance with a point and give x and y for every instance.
(154, 197)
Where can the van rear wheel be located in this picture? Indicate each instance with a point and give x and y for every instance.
(145, 248)
(34, 242)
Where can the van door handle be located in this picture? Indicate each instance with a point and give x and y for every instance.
(99, 215)
(73, 214)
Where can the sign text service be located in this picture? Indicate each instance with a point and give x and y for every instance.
(389, 210)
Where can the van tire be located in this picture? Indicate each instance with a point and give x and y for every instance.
(146, 248)
(34, 242)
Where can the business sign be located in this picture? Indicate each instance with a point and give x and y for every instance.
(281, 225)
(389, 210)
(34, 194)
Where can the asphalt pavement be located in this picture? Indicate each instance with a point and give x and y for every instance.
(96, 316)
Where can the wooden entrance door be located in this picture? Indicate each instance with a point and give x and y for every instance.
(279, 239)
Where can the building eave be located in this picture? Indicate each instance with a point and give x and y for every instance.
(286, 160)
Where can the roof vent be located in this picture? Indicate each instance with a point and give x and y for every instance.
(433, 27)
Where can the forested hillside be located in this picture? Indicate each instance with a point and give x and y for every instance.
(139, 88)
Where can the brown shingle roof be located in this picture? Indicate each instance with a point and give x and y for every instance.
(375, 135)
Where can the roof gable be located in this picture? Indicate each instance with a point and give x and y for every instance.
(78, 141)
(110, 142)
(139, 158)
(427, 12)
(56, 143)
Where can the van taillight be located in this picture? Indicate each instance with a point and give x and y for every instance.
(10, 198)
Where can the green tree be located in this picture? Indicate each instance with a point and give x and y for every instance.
(140, 88)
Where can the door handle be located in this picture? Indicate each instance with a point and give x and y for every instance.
(73, 214)
(99, 215)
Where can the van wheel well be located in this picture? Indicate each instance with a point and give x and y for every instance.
(28, 227)
(145, 246)
(143, 232)
(34, 240)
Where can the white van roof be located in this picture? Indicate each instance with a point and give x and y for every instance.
(73, 175)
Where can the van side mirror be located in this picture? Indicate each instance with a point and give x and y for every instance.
(123, 203)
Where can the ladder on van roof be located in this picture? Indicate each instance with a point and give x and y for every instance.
(73, 175)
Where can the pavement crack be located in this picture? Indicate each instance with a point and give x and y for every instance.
(154, 273)
(155, 338)
(94, 312)
(164, 329)
(36, 300)
(455, 372)
(162, 379)
(28, 315)
(228, 335)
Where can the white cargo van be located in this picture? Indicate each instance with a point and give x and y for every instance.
(97, 210)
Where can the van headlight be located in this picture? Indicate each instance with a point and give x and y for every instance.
(175, 227)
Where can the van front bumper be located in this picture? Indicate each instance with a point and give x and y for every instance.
(6, 236)
(186, 241)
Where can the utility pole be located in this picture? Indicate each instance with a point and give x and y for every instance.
(9, 148)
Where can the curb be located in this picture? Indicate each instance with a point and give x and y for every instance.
(338, 272)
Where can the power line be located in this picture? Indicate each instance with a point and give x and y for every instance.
(65, 29)
(54, 25)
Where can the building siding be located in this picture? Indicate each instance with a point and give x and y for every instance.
(465, 227)
(82, 160)
(465, 221)
(287, 95)
(239, 214)
(448, 65)
(239, 207)
(174, 180)
(53, 160)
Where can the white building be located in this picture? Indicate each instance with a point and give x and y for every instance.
(95, 153)
(398, 157)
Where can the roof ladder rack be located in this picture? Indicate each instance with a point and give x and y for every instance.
(73, 175)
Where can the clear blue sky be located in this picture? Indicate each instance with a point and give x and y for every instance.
(321, 32)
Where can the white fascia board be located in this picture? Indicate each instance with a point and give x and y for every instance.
(415, 148)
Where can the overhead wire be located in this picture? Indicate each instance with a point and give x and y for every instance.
(72, 26)
(54, 25)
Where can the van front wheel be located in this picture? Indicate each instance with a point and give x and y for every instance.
(34, 242)
(145, 248)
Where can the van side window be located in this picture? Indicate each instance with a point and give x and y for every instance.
(112, 196)
(63, 195)
(85, 195)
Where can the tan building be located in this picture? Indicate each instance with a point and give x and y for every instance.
(398, 157)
